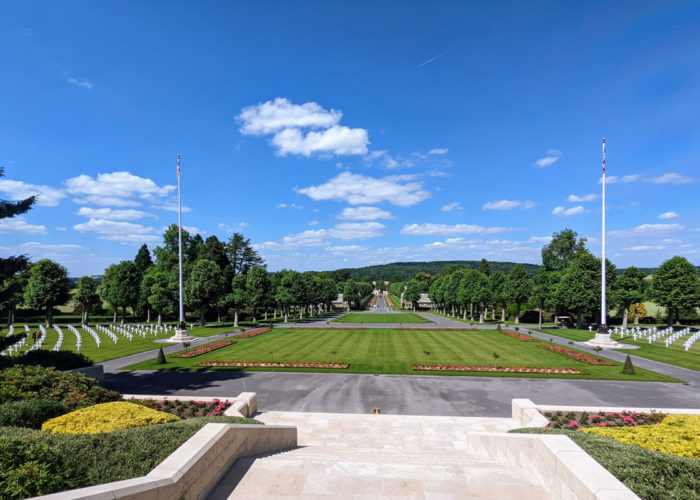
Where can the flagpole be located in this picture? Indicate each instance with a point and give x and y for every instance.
(181, 334)
(179, 246)
(602, 337)
(603, 307)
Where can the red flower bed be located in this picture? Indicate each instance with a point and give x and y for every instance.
(518, 336)
(275, 364)
(193, 409)
(388, 301)
(579, 420)
(327, 328)
(498, 369)
(253, 333)
(374, 299)
(204, 349)
(578, 356)
(453, 329)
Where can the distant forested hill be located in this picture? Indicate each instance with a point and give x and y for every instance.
(406, 270)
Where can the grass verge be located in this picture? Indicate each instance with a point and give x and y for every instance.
(397, 318)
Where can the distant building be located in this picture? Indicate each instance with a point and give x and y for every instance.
(339, 303)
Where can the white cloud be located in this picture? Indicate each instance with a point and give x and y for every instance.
(438, 173)
(115, 189)
(286, 121)
(273, 116)
(18, 190)
(438, 151)
(450, 230)
(80, 83)
(539, 239)
(671, 178)
(364, 213)
(645, 248)
(290, 205)
(648, 230)
(321, 237)
(668, 215)
(358, 189)
(61, 228)
(452, 206)
(507, 204)
(19, 225)
(613, 179)
(112, 214)
(574, 198)
(340, 250)
(577, 210)
(339, 140)
(553, 155)
(313, 223)
(124, 232)
(171, 207)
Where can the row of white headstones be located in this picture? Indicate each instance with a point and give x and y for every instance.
(127, 331)
(653, 334)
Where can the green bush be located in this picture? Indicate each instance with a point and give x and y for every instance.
(61, 360)
(30, 412)
(628, 369)
(11, 340)
(74, 390)
(161, 357)
(652, 475)
(75, 461)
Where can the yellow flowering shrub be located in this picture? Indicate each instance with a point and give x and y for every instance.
(676, 434)
(106, 417)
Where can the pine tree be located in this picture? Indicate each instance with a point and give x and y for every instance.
(628, 369)
(160, 360)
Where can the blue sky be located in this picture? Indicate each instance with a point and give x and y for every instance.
(340, 134)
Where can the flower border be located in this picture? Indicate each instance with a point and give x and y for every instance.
(497, 369)
(275, 364)
(198, 351)
(578, 356)
(253, 333)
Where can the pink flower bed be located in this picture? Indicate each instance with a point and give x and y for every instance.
(388, 301)
(327, 328)
(578, 356)
(518, 336)
(253, 333)
(205, 349)
(374, 299)
(579, 420)
(192, 409)
(275, 364)
(452, 329)
(498, 369)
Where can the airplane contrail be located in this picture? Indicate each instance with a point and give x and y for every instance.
(435, 57)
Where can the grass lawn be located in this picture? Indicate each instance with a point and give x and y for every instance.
(673, 354)
(650, 474)
(379, 350)
(108, 349)
(381, 318)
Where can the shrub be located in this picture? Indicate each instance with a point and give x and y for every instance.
(628, 369)
(676, 434)
(161, 357)
(61, 360)
(30, 412)
(74, 390)
(106, 417)
(11, 340)
(76, 461)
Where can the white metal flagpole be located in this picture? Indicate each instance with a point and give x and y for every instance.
(179, 238)
(603, 307)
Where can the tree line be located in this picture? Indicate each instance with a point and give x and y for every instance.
(567, 283)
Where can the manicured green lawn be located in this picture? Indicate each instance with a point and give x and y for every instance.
(108, 349)
(397, 318)
(380, 350)
(673, 354)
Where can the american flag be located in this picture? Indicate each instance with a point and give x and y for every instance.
(178, 165)
(603, 158)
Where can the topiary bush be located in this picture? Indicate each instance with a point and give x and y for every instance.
(106, 417)
(74, 390)
(30, 412)
(628, 369)
(160, 359)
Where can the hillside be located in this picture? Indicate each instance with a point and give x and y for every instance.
(406, 270)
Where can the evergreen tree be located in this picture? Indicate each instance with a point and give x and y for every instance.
(628, 369)
(143, 260)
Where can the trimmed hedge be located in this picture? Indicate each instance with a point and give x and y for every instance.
(37, 463)
(73, 390)
(30, 413)
(652, 475)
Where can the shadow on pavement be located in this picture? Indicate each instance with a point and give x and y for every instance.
(169, 382)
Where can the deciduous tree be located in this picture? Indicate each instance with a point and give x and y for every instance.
(48, 286)
(675, 286)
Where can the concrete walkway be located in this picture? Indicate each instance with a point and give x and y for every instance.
(377, 456)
